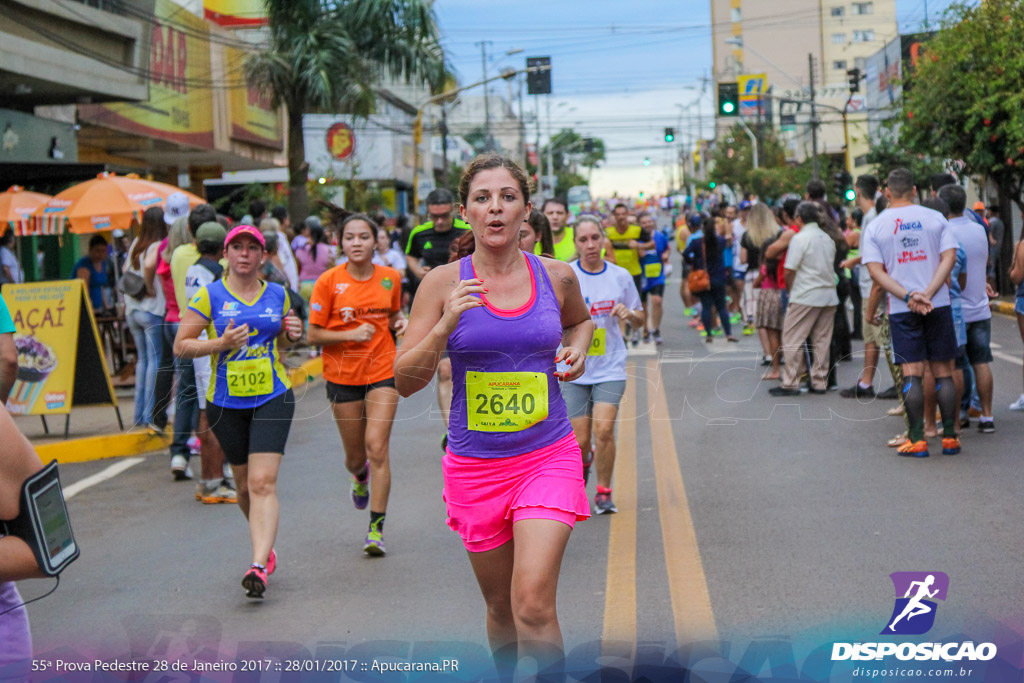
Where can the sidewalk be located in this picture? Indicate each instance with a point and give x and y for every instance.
(95, 434)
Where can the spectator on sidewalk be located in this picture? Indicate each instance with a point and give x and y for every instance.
(810, 280)
(910, 251)
(186, 413)
(976, 291)
(8, 352)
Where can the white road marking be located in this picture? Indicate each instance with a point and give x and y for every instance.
(1016, 360)
(109, 473)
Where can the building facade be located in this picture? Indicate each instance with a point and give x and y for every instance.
(788, 41)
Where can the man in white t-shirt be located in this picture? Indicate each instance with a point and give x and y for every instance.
(975, 298)
(810, 280)
(910, 251)
(213, 487)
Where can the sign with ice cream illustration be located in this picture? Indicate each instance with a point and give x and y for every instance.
(59, 360)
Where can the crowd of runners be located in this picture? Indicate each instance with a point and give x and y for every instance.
(523, 317)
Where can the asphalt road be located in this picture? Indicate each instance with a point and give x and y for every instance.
(743, 517)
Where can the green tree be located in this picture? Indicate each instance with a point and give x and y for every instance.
(887, 153)
(568, 155)
(329, 57)
(733, 163)
(965, 100)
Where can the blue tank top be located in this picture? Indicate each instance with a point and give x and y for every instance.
(252, 375)
(505, 397)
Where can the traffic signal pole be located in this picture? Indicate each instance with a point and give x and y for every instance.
(814, 120)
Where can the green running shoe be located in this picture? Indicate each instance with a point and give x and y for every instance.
(374, 546)
(360, 492)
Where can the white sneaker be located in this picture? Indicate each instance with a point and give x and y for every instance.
(179, 467)
(1018, 404)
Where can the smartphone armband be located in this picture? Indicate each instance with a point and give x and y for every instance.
(43, 521)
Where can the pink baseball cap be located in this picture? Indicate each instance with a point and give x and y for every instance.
(245, 230)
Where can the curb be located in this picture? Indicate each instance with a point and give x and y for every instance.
(1003, 307)
(124, 444)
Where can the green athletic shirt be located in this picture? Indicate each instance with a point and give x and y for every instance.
(431, 246)
(565, 250)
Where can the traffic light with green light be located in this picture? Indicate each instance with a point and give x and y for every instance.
(647, 161)
(670, 134)
(712, 184)
(728, 99)
(851, 194)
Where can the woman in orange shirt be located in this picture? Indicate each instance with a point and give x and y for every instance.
(353, 309)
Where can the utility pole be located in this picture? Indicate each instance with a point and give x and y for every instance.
(814, 119)
(444, 144)
(487, 108)
(540, 154)
(551, 162)
(522, 121)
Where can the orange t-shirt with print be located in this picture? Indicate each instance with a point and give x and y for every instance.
(341, 303)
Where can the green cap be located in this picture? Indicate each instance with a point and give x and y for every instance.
(211, 231)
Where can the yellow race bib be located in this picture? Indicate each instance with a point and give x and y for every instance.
(652, 270)
(506, 401)
(247, 378)
(598, 343)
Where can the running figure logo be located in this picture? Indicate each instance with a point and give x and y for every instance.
(914, 611)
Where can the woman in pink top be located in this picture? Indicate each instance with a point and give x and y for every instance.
(313, 259)
(176, 236)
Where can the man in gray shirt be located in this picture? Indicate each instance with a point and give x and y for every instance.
(810, 280)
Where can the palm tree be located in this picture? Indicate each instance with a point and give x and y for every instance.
(329, 56)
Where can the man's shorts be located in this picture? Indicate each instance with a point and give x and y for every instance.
(917, 338)
(961, 358)
(638, 280)
(580, 398)
(979, 342)
(1019, 306)
(655, 290)
(872, 333)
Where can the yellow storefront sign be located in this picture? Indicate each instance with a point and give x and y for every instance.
(180, 105)
(59, 360)
(253, 117)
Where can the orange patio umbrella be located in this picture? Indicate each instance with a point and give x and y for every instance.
(109, 202)
(16, 205)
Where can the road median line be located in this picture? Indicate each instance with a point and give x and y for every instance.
(618, 637)
(691, 600)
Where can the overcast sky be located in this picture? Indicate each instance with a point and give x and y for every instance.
(618, 68)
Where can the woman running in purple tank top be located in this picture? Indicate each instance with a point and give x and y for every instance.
(513, 484)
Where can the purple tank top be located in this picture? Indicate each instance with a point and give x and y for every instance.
(499, 356)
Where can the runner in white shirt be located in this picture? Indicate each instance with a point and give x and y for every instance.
(385, 255)
(910, 251)
(593, 400)
(284, 252)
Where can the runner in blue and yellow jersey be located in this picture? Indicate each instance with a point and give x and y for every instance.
(629, 241)
(250, 402)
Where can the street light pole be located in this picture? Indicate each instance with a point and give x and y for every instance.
(551, 162)
(417, 126)
(487, 109)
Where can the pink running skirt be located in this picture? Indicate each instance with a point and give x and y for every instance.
(486, 496)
